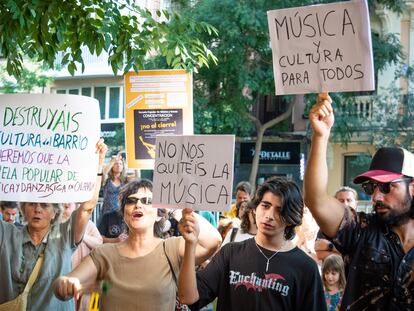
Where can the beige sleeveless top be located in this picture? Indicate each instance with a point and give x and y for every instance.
(142, 283)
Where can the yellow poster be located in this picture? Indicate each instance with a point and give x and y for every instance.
(156, 102)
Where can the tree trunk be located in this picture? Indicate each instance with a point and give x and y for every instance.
(261, 129)
(256, 157)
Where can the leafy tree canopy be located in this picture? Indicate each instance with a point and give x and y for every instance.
(40, 29)
(225, 94)
(29, 80)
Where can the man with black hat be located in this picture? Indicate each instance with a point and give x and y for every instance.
(380, 245)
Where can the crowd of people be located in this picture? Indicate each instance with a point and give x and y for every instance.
(275, 249)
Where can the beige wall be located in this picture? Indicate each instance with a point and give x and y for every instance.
(75, 82)
(336, 154)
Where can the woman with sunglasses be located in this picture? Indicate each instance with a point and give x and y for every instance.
(139, 273)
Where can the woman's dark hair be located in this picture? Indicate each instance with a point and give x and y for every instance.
(245, 220)
(291, 212)
(130, 189)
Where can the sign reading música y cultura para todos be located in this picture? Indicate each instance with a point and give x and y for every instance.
(324, 47)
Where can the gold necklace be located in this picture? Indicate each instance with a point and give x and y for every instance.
(267, 258)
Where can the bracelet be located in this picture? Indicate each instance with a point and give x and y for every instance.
(99, 174)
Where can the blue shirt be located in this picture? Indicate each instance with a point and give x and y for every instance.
(209, 216)
(333, 301)
(110, 196)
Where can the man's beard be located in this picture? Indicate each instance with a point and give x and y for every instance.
(397, 217)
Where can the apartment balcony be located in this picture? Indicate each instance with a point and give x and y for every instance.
(95, 66)
(361, 109)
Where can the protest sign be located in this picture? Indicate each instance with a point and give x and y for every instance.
(324, 47)
(157, 102)
(194, 171)
(47, 147)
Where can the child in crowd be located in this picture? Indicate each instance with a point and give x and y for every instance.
(333, 277)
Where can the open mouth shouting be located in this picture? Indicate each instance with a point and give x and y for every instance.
(137, 215)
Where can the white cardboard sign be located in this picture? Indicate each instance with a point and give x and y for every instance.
(324, 47)
(47, 147)
(194, 171)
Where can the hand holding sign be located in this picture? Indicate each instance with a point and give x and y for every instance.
(321, 115)
(188, 226)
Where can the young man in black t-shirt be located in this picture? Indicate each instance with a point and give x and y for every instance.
(267, 272)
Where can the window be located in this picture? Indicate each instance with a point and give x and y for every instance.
(87, 91)
(100, 95)
(353, 166)
(110, 99)
(114, 102)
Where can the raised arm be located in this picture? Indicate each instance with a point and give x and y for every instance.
(79, 281)
(327, 211)
(209, 239)
(92, 237)
(187, 283)
(86, 208)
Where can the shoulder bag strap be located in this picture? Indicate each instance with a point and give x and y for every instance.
(35, 273)
(169, 263)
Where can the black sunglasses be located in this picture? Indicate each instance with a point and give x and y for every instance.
(384, 187)
(134, 200)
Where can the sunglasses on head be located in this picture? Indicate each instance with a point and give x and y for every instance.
(384, 187)
(134, 200)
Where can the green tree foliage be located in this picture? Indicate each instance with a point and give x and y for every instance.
(42, 29)
(226, 93)
(115, 142)
(389, 123)
(29, 80)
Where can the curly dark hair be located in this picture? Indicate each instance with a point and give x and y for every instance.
(291, 212)
(131, 188)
